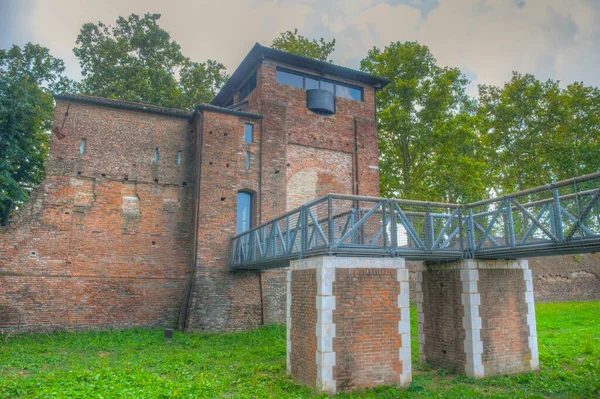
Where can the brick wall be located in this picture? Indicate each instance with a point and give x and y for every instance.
(366, 318)
(555, 278)
(477, 317)
(314, 172)
(221, 300)
(303, 315)
(353, 330)
(441, 320)
(274, 296)
(504, 328)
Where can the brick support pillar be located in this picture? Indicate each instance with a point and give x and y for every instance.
(348, 323)
(477, 317)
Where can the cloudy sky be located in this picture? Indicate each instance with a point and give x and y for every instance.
(487, 39)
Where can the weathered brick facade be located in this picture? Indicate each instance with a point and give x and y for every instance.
(105, 240)
(477, 317)
(132, 225)
(348, 323)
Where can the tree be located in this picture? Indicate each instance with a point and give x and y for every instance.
(538, 132)
(294, 43)
(574, 146)
(428, 144)
(137, 60)
(28, 76)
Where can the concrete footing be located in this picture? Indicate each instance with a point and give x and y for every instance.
(348, 323)
(477, 317)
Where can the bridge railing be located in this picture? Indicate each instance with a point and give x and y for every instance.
(559, 218)
(353, 225)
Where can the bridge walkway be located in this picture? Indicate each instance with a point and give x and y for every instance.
(560, 218)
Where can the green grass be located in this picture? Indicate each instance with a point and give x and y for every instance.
(140, 364)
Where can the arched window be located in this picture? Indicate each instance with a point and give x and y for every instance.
(244, 212)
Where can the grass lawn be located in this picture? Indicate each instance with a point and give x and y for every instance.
(140, 364)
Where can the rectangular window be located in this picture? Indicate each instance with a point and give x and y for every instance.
(244, 212)
(248, 132)
(178, 157)
(327, 86)
(247, 160)
(248, 87)
(348, 92)
(156, 155)
(290, 79)
(310, 83)
(82, 146)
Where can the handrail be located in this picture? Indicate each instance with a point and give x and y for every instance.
(563, 217)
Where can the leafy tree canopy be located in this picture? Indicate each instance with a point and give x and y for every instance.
(28, 76)
(294, 43)
(137, 60)
(537, 132)
(428, 143)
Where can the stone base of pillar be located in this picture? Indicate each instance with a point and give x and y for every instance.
(348, 323)
(477, 317)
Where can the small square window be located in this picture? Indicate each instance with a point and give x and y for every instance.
(248, 132)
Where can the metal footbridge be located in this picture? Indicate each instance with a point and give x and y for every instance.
(560, 218)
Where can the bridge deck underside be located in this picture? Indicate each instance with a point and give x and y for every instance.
(562, 218)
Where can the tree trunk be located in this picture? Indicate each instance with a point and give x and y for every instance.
(6, 213)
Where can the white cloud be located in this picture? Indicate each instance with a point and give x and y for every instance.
(486, 38)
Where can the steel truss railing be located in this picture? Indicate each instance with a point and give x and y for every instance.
(556, 219)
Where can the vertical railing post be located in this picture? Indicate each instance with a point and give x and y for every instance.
(304, 240)
(394, 226)
(429, 233)
(471, 232)
(460, 230)
(384, 225)
(510, 222)
(331, 223)
(557, 210)
(352, 222)
(287, 234)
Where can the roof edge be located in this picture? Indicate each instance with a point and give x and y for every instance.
(259, 53)
(133, 106)
(214, 108)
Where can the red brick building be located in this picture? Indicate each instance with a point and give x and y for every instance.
(132, 225)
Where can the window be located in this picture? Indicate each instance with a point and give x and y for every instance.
(247, 160)
(156, 155)
(290, 79)
(248, 87)
(327, 86)
(348, 92)
(244, 212)
(248, 132)
(178, 157)
(82, 146)
(309, 83)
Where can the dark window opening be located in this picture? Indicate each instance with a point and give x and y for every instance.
(248, 87)
(248, 132)
(244, 212)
